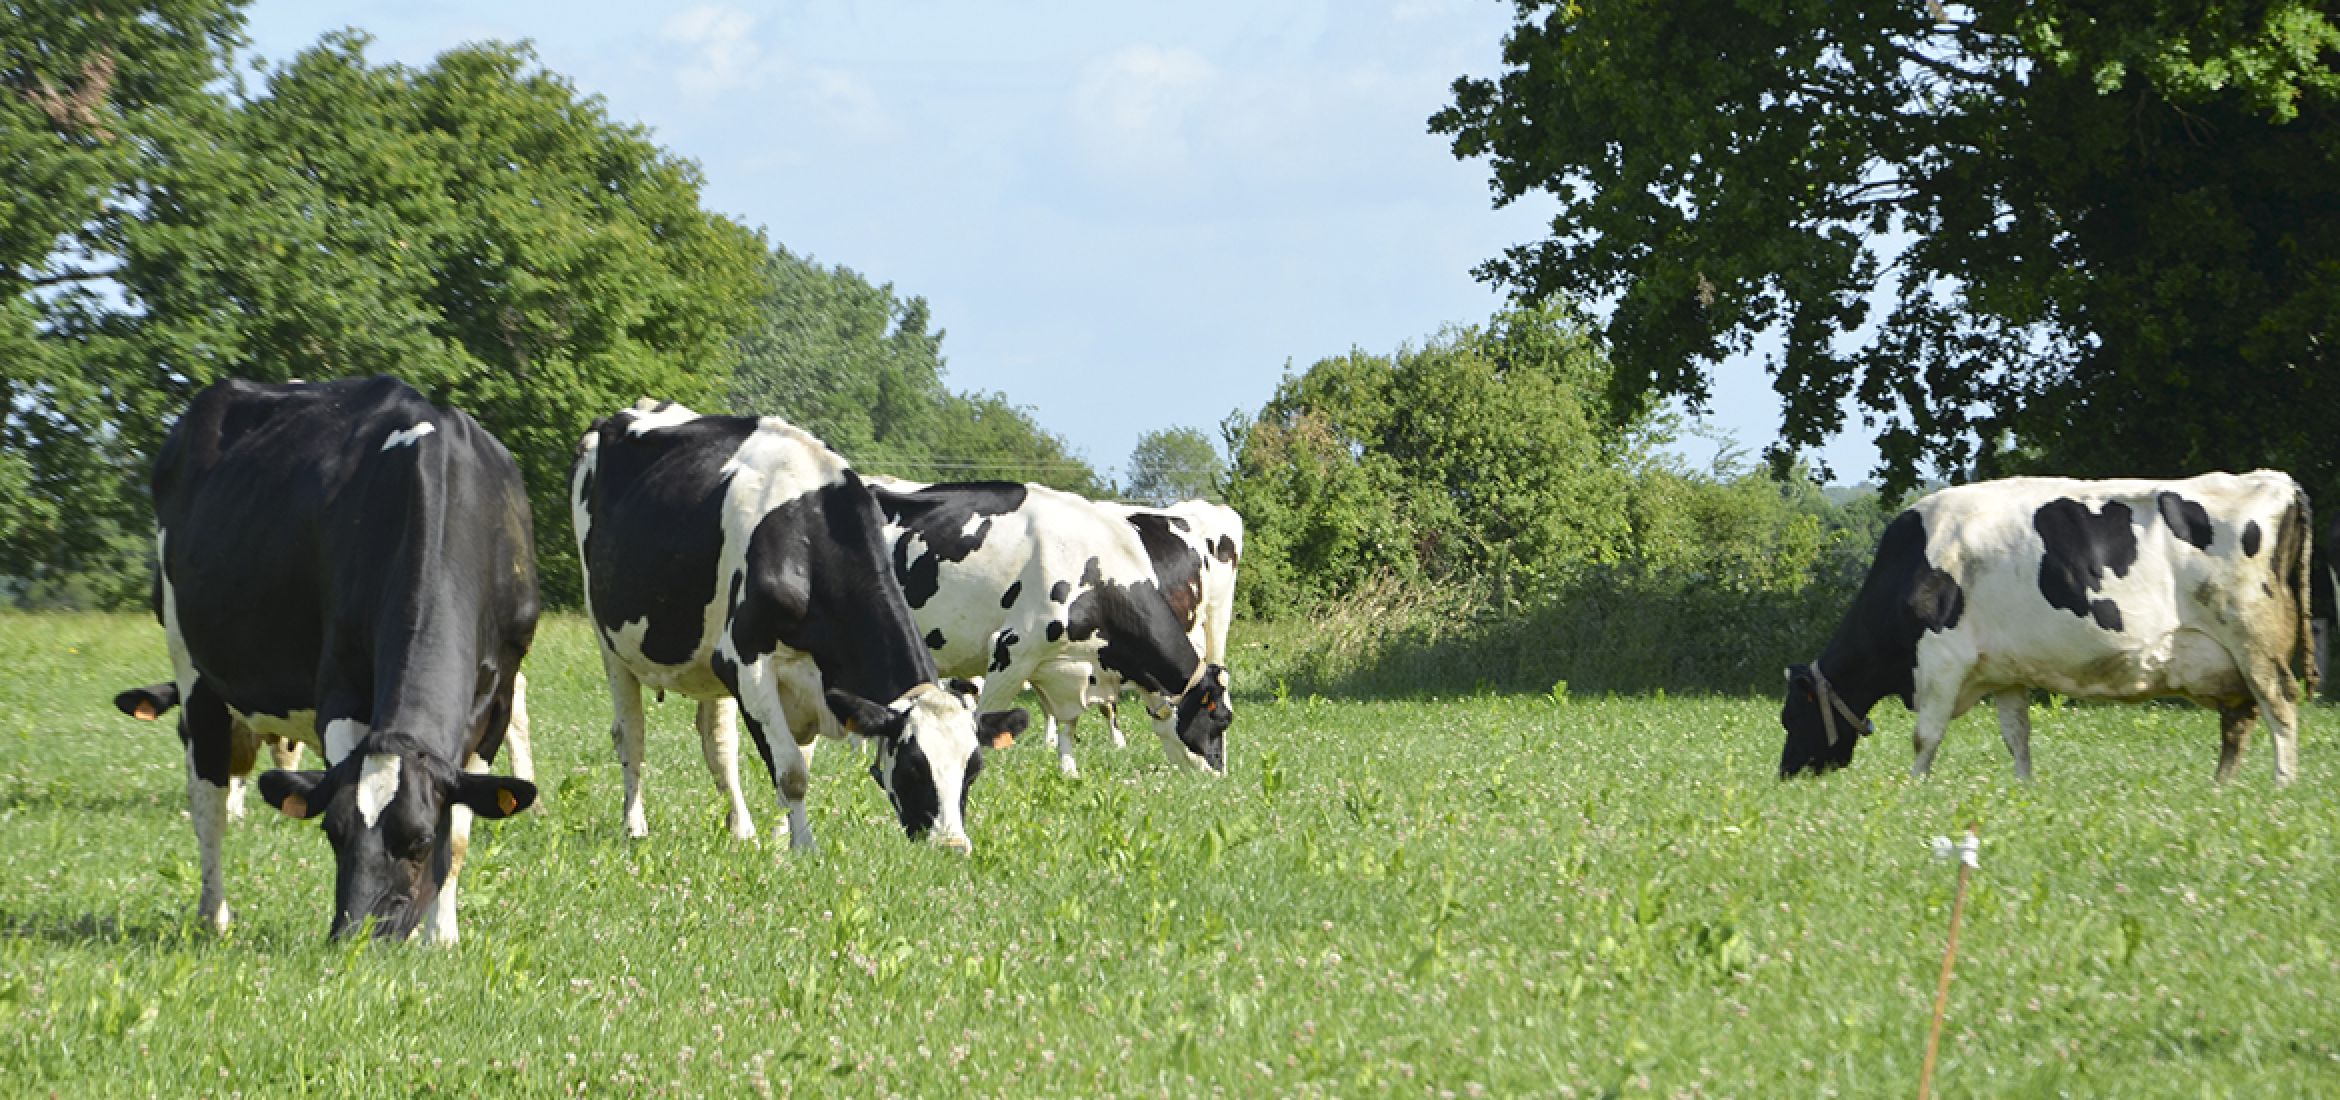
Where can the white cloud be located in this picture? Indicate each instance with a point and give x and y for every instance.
(1134, 108)
(720, 50)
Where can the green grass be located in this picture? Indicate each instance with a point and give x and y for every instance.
(1509, 894)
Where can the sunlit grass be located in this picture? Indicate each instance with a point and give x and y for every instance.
(1512, 894)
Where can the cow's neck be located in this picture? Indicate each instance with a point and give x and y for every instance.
(1864, 680)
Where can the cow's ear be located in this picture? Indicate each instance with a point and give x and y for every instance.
(297, 795)
(859, 715)
(493, 796)
(1799, 678)
(998, 729)
(148, 703)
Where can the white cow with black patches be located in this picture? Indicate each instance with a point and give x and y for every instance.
(1195, 547)
(738, 561)
(2095, 589)
(1022, 583)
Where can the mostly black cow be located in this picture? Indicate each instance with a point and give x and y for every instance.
(346, 565)
(1022, 583)
(737, 558)
(2096, 589)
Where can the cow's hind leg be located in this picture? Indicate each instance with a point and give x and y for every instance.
(2277, 693)
(207, 732)
(718, 721)
(626, 731)
(2015, 728)
(2234, 735)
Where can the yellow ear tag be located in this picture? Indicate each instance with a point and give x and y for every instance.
(295, 807)
(507, 800)
(145, 711)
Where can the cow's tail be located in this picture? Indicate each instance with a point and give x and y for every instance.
(2302, 518)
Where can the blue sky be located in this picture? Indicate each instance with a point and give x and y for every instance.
(1126, 217)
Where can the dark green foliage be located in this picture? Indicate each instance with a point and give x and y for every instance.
(2105, 232)
(1174, 464)
(850, 362)
(476, 227)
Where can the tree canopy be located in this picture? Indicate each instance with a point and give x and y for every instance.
(476, 227)
(861, 367)
(2108, 234)
(1174, 464)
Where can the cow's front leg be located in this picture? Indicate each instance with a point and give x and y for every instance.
(2015, 728)
(207, 733)
(516, 732)
(718, 721)
(439, 927)
(757, 687)
(2234, 735)
(1063, 696)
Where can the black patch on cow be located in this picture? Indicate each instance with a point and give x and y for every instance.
(1000, 647)
(934, 639)
(2187, 519)
(1936, 599)
(1092, 574)
(1055, 630)
(670, 481)
(1223, 548)
(2250, 539)
(1007, 599)
(1058, 591)
(940, 516)
(2080, 548)
(1177, 568)
(816, 583)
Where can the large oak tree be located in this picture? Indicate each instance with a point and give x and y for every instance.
(2093, 237)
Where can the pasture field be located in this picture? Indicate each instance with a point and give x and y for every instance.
(1509, 896)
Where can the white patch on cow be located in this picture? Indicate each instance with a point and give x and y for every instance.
(341, 737)
(647, 416)
(408, 436)
(377, 784)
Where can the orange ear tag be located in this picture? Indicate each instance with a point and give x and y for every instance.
(507, 800)
(295, 807)
(145, 711)
(1007, 740)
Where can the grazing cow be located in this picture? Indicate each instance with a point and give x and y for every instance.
(151, 702)
(2096, 589)
(736, 558)
(1023, 583)
(1195, 546)
(346, 565)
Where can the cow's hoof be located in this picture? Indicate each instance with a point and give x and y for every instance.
(1070, 769)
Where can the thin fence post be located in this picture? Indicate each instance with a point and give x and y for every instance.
(1968, 852)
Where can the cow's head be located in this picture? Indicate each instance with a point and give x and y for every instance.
(389, 813)
(1204, 712)
(1808, 748)
(930, 746)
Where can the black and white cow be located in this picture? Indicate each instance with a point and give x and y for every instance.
(737, 558)
(1023, 583)
(1195, 546)
(2096, 589)
(348, 566)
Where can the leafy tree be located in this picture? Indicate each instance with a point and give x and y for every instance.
(851, 362)
(1488, 453)
(2105, 232)
(1174, 464)
(475, 227)
(87, 87)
